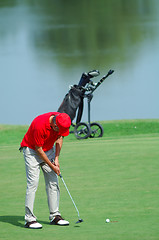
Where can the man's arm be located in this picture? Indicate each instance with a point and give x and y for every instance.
(59, 143)
(44, 157)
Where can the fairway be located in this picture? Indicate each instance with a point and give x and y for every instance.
(115, 178)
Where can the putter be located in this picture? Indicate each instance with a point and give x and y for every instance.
(79, 219)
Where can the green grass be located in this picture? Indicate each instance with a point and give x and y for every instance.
(113, 177)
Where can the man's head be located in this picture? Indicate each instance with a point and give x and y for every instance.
(63, 123)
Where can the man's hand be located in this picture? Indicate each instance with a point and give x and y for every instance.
(57, 165)
(56, 170)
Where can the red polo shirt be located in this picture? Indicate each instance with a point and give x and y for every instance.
(40, 133)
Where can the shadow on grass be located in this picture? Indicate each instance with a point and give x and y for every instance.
(14, 220)
(48, 223)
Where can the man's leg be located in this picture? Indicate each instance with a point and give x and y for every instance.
(32, 164)
(52, 190)
(52, 187)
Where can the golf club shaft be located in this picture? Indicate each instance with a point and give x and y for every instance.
(70, 195)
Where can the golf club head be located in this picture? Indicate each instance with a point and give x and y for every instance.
(79, 220)
(93, 73)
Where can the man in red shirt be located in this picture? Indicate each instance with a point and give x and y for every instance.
(39, 152)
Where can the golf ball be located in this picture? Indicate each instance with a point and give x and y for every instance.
(107, 220)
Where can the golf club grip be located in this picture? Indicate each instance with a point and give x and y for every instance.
(60, 175)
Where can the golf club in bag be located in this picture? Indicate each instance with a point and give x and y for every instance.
(74, 100)
(79, 219)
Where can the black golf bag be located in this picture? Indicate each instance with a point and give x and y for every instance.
(74, 99)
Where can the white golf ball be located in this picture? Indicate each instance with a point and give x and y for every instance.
(107, 220)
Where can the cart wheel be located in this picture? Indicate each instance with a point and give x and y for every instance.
(82, 130)
(96, 130)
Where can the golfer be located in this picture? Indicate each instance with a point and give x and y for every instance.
(40, 152)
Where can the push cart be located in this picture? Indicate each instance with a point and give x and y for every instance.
(74, 100)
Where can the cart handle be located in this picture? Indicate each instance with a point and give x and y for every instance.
(102, 79)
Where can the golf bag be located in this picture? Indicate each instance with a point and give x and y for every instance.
(74, 99)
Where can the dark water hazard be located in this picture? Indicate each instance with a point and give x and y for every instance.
(46, 45)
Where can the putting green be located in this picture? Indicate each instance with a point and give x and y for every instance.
(114, 177)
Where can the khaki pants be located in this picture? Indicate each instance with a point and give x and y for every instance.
(33, 163)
